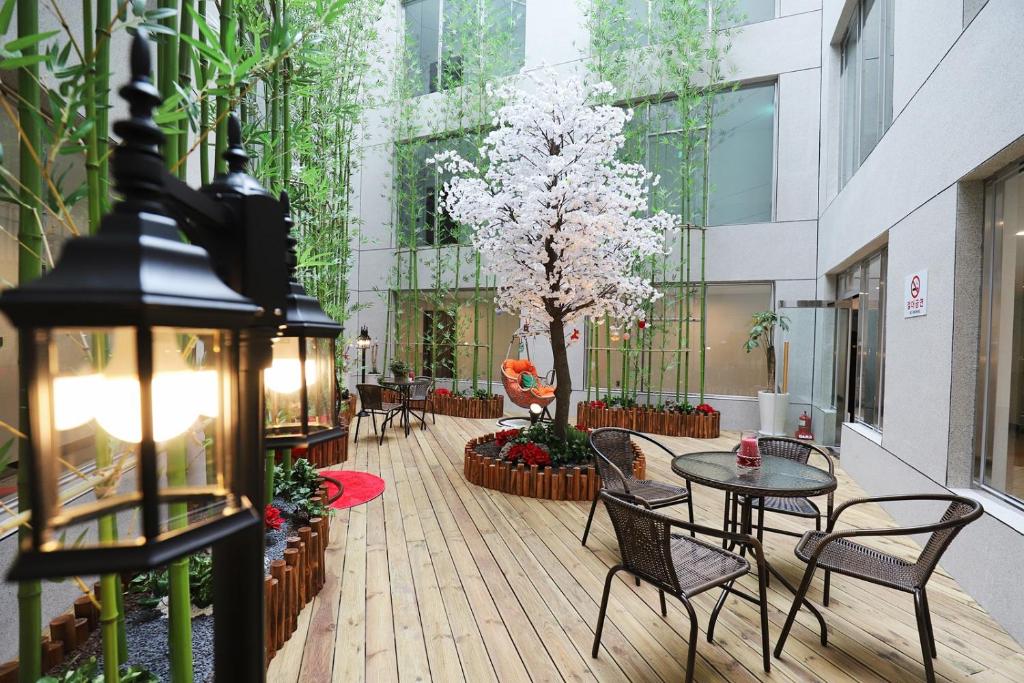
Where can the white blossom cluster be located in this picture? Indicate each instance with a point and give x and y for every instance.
(560, 221)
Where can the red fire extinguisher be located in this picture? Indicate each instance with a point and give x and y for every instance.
(803, 432)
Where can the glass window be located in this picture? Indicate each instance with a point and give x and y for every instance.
(453, 334)
(1001, 372)
(741, 12)
(654, 360)
(444, 38)
(865, 82)
(419, 190)
(741, 166)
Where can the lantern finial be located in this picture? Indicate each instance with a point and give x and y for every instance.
(235, 153)
(137, 163)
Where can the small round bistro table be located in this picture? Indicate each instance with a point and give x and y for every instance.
(403, 386)
(776, 477)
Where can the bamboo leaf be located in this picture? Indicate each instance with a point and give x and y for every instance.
(6, 12)
(28, 41)
(152, 28)
(18, 62)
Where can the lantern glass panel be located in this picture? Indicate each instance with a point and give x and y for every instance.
(87, 407)
(191, 468)
(320, 391)
(283, 384)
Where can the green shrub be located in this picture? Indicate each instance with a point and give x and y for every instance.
(298, 484)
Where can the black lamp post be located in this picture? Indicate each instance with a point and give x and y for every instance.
(145, 360)
(132, 348)
(364, 342)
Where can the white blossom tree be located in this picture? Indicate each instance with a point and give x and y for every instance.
(560, 220)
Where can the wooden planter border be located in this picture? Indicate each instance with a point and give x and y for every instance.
(295, 580)
(650, 421)
(348, 410)
(479, 408)
(458, 406)
(551, 483)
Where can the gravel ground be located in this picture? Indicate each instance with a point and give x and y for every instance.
(147, 644)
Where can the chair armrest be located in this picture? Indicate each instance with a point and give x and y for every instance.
(834, 517)
(833, 536)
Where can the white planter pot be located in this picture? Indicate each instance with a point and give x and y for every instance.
(774, 409)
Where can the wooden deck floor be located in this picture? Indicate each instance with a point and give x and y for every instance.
(441, 580)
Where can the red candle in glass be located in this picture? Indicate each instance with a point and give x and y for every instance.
(748, 454)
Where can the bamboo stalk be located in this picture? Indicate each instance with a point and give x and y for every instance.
(227, 11)
(184, 81)
(30, 621)
(179, 635)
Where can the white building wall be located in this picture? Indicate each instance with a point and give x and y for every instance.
(958, 118)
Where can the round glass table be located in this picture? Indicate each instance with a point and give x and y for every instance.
(403, 385)
(776, 478)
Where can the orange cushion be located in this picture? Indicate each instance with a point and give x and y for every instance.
(544, 391)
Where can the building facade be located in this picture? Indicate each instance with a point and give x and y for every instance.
(867, 188)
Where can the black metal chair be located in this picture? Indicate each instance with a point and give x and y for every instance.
(421, 397)
(615, 456)
(680, 566)
(371, 402)
(835, 551)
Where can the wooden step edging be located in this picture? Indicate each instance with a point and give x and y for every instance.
(650, 421)
(551, 483)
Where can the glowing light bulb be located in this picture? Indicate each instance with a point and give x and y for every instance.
(283, 376)
(177, 391)
(74, 398)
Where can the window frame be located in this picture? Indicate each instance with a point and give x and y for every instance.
(853, 155)
(988, 324)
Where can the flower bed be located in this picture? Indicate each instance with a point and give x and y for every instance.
(497, 461)
(699, 425)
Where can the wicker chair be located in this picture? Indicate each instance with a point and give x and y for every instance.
(371, 402)
(421, 398)
(836, 551)
(615, 465)
(680, 566)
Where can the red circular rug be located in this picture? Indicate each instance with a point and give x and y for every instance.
(357, 487)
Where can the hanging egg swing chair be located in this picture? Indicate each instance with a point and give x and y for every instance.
(523, 384)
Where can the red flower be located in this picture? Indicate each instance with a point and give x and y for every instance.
(442, 392)
(598, 404)
(641, 324)
(529, 453)
(272, 517)
(582, 428)
(575, 335)
(503, 437)
(705, 409)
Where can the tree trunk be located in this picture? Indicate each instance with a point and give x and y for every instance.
(563, 379)
(769, 351)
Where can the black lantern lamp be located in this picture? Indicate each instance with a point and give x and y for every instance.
(132, 357)
(300, 384)
(363, 342)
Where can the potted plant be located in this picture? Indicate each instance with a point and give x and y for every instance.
(774, 406)
(399, 369)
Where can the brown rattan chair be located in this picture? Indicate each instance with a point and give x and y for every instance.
(680, 566)
(421, 398)
(836, 551)
(371, 402)
(614, 451)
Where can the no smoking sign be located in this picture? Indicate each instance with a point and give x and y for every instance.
(915, 295)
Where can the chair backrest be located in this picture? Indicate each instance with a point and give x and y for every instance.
(784, 447)
(613, 447)
(370, 396)
(961, 512)
(420, 387)
(645, 541)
